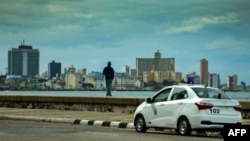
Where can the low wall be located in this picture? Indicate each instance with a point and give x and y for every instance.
(100, 104)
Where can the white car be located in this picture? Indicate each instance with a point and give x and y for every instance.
(187, 108)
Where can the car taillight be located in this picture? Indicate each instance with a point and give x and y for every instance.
(203, 105)
(237, 108)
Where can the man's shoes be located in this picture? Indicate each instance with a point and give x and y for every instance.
(108, 94)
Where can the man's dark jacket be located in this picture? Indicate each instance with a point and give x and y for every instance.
(108, 71)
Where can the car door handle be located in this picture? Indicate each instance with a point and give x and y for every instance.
(161, 104)
(180, 103)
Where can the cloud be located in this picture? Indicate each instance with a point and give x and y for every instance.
(56, 30)
(197, 23)
(87, 33)
(227, 42)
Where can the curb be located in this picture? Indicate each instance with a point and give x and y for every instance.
(104, 123)
(72, 121)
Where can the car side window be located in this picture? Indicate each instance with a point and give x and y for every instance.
(179, 93)
(162, 96)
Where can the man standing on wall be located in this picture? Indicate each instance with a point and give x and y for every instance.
(108, 71)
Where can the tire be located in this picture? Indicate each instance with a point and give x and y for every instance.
(140, 125)
(183, 127)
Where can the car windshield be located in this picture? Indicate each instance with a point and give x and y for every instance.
(210, 93)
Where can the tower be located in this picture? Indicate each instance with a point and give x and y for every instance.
(158, 54)
(204, 72)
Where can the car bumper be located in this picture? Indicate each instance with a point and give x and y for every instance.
(210, 122)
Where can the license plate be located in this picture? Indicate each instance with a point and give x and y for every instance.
(214, 111)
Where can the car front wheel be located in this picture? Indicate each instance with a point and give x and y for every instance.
(140, 125)
(183, 126)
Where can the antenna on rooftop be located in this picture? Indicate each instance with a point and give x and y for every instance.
(22, 43)
(7, 69)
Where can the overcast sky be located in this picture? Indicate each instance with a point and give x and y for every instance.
(88, 33)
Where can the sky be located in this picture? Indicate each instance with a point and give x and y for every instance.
(89, 33)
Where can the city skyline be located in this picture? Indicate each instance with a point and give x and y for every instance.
(88, 34)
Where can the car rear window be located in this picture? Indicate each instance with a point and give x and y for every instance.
(210, 93)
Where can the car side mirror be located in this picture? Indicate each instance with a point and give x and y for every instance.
(148, 100)
(219, 96)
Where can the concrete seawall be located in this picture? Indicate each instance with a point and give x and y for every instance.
(100, 104)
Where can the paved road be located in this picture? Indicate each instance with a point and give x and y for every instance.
(67, 114)
(70, 114)
(14, 130)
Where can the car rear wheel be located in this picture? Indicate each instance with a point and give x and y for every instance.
(183, 126)
(140, 125)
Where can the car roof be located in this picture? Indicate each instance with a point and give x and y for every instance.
(183, 85)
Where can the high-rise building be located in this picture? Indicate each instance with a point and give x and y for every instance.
(82, 71)
(133, 73)
(126, 69)
(214, 80)
(160, 64)
(232, 82)
(54, 69)
(23, 61)
(204, 72)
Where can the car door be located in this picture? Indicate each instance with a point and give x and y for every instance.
(177, 100)
(155, 110)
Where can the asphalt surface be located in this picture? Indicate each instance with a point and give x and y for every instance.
(14, 130)
(108, 119)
